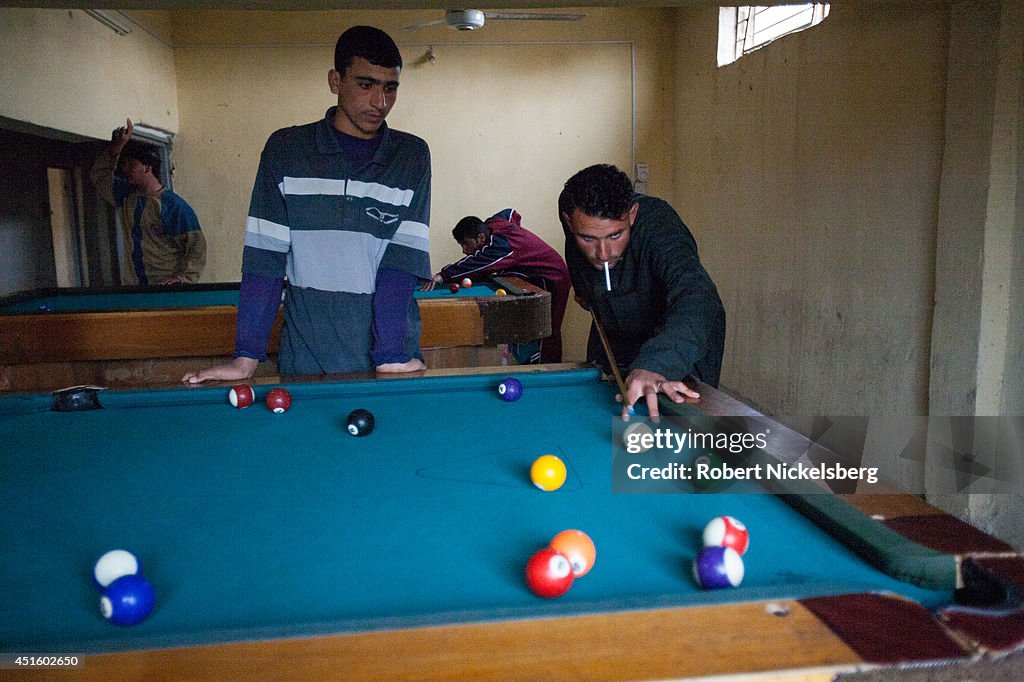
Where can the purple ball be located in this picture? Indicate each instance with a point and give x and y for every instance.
(718, 567)
(510, 390)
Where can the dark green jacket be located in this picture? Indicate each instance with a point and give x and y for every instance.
(663, 313)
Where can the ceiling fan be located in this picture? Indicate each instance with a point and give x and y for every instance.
(471, 19)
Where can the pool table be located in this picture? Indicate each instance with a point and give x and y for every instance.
(133, 336)
(282, 547)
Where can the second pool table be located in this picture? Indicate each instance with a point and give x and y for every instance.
(132, 336)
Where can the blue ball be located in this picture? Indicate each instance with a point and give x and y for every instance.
(510, 390)
(718, 567)
(128, 600)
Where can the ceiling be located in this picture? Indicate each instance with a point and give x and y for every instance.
(345, 4)
(299, 5)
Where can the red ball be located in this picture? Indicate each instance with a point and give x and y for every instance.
(549, 573)
(453, 287)
(725, 531)
(279, 400)
(241, 396)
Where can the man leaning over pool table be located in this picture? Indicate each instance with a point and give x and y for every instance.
(634, 264)
(501, 245)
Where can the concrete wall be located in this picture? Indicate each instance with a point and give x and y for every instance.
(978, 340)
(810, 171)
(856, 192)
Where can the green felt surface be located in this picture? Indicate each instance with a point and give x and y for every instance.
(256, 525)
(85, 302)
(151, 298)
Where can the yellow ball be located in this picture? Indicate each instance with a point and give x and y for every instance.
(548, 473)
(501, 292)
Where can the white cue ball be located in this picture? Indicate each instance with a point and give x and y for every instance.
(113, 565)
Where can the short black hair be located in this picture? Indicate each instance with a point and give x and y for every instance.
(599, 191)
(470, 226)
(372, 44)
(144, 154)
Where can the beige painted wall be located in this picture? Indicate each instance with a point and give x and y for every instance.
(63, 70)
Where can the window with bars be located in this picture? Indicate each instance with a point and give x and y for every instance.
(746, 28)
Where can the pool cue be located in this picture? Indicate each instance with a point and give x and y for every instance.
(611, 357)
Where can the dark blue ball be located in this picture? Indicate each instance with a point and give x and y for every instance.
(128, 600)
(718, 567)
(510, 390)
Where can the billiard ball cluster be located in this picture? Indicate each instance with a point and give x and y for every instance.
(278, 399)
(464, 284)
(719, 564)
(360, 422)
(550, 572)
(127, 597)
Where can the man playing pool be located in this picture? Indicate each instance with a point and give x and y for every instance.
(634, 264)
(501, 246)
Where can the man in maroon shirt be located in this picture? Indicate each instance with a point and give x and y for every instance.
(502, 246)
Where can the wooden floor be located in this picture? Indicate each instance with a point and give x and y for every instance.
(649, 645)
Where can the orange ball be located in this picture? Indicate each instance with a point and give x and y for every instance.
(578, 548)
